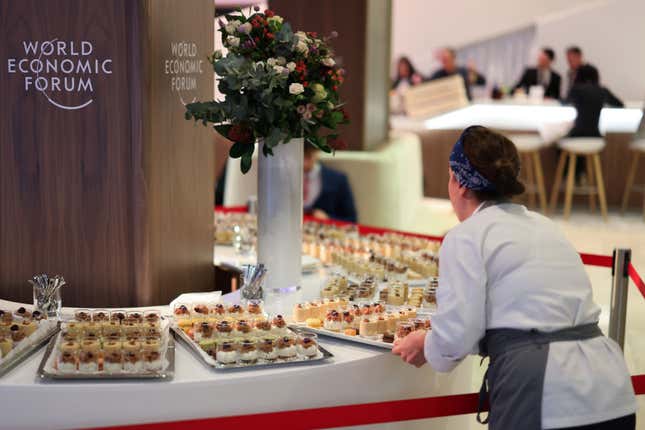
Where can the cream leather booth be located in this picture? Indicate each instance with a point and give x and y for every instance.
(387, 184)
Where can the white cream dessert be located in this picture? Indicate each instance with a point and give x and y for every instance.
(88, 362)
(67, 362)
(307, 346)
(132, 357)
(333, 321)
(226, 353)
(279, 326)
(286, 347)
(248, 352)
(267, 350)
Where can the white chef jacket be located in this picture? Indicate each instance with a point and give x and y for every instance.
(507, 267)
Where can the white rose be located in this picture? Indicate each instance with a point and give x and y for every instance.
(296, 89)
(233, 41)
(291, 66)
(272, 61)
(245, 28)
(281, 61)
(259, 64)
(302, 47)
(301, 35)
(279, 69)
(277, 19)
(329, 62)
(231, 26)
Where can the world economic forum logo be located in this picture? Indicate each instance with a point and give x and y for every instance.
(61, 70)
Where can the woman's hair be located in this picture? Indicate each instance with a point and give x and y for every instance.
(587, 75)
(411, 69)
(496, 158)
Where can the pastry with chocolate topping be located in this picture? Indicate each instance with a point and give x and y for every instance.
(117, 316)
(6, 316)
(67, 362)
(83, 316)
(219, 310)
(100, 316)
(267, 349)
(307, 345)
(279, 325)
(224, 329)
(38, 316)
(254, 308)
(17, 333)
(181, 312)
(242, 328)
(286, 347)
(248, 352)
(226, 352)
(263, 327)
(236, 311)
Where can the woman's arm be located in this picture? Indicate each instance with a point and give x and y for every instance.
(460, 321)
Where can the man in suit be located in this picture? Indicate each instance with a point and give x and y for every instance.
(448, 59)
(575, 60)
(326, 192)
(542, 75)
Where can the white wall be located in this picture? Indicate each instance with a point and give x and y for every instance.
(421, 26)
(605, 29)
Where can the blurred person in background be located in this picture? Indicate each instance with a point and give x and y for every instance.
(448, 59)
(575, 60)
(542, 75)
(588, 97)
(326, 192)
(406, 75)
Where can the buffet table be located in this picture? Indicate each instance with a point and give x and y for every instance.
(356, 374)
(548, 118)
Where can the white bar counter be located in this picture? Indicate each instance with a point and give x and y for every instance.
(356, 374)
(515, 115)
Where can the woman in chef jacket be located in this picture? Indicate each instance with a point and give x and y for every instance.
(511, 287)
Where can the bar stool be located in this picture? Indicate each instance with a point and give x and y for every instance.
(589, 147)
(528, 146)
(638, 147)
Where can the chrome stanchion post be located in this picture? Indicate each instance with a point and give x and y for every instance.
(619, 294)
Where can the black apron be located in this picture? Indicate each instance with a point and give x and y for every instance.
(514, 381)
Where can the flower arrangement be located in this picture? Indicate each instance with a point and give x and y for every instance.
(278, 85)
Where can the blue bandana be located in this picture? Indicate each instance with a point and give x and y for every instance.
(466, 174)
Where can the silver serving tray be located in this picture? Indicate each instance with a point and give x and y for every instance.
(33, 346)
(162, 375)
(208, 360)
(342, 336)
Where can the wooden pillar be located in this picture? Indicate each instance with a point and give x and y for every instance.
(363, 49)
(101, 178)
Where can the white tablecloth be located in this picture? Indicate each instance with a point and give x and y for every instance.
(356, 374)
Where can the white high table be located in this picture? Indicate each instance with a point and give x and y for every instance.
(356, 374)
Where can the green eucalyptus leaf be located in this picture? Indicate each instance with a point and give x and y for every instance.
(246, 161)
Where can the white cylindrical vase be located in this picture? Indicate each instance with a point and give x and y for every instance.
(279, 244)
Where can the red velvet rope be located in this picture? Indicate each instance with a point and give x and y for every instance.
(343, 416)
(636, 278)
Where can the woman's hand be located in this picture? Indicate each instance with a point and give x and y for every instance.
(410, 348)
